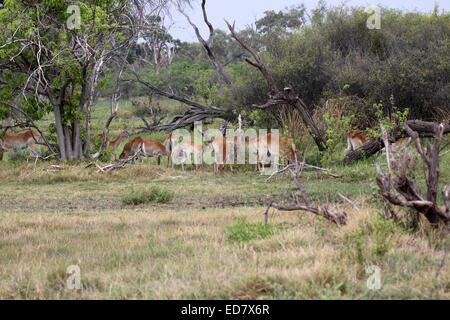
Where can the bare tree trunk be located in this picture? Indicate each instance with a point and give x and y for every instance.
(60, 132)
(68, 142)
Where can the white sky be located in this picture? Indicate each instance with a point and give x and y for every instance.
(245, 12)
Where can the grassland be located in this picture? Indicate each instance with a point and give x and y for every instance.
(206, 242)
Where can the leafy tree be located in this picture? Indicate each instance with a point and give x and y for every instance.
(56, 63)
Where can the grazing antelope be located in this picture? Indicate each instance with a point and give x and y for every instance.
(170, 143)
(268, 144)
(114, 143)
(21, 140)
(184, 150)
(222, 150)
(355, 141)
(130, 148)
(147, 148)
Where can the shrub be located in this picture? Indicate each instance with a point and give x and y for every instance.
(152, 195)
(19, 155)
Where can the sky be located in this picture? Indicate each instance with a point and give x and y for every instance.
(246, 12)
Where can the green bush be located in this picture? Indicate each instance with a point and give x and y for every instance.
(152, 195)
(243, 231)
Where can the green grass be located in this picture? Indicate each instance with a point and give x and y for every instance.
(153, 195)
(151, 232)
(186, 248)
(244, 231)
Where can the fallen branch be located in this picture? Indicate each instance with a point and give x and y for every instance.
(348, 200)
(326, 211)
(305, 165)
(113, 166)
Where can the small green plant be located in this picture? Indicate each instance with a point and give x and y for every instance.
(243, 231)
(381, 231)
(152, 195)
(358, 239)
(338, 126)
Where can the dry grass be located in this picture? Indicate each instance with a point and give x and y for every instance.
(150, 254)
(180, 250)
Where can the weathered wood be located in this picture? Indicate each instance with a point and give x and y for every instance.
(404, 183)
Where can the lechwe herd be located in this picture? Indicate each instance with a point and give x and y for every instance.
(219, 149)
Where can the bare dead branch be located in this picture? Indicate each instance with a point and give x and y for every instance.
(404, 182)
(276, 97)
(207, 45)
(348, 200)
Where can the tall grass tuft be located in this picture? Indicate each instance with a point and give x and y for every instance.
(243, 231)
(152, 195)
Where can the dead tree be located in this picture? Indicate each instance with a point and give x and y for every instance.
(401, 178)
(326, 211)
(207, 44)
(197, 112)
(277, 97)
(423, 128)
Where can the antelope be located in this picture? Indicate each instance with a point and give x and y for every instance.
(355, 141)
(185, 150)
(21, 140)
(114, 143)
(264, 144)
(221, 147)
(398, 145)
(147, 148)
(170, 143)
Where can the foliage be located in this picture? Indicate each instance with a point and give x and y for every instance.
(372, 241)
(396, 119)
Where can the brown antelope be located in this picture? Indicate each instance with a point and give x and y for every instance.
(398, 145)
(147, 148)
(114, 143)
(170, 143)
(355, 141)
(184, 150)
(222, 149)
(21, 140)
(268, 143)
